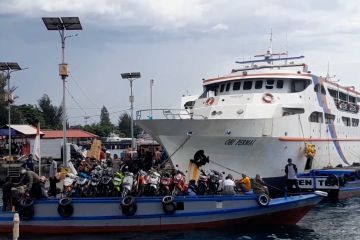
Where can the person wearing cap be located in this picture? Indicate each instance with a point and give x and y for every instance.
(29, 163)
(291, 176)
(32, 182)
(228, 185)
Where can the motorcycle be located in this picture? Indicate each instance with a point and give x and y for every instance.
(202, 184)
(69, 186)
(166, 182)
(82, 182)
(154, 181)
(117, 182)
(180, 186)
(214, 182)
(127, 184)
(141, 187)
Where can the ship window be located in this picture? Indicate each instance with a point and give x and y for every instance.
(323, 92)
(247, 85)
(346, 121)
(298, 85)
(342, 96)
(316, 117)
(236, 86)
(355, 122)
(280, 83)
(329, 118)
(269, 84)
(333, 93)
(227, 87)
(222, 86)
(352, 99)
(316, 88)
(258, 84)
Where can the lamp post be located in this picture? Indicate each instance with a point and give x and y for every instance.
(151, 86)
(131, 77)
(8, 68)
(60, 25)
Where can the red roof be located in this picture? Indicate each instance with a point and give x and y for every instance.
(70, 133)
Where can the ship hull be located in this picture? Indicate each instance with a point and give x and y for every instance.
(104, 215)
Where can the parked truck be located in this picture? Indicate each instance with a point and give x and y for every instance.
(53, 148)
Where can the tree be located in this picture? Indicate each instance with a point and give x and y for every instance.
(3, 105)
(104, 117)
(124, 126)
(51, 114)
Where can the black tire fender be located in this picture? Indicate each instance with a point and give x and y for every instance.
(332, 180)
(263, 200)
(65, 208)
(128, 206)
(26, 209)
(168, 204)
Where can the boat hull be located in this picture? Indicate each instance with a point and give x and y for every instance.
(250, 146)
(104, 215)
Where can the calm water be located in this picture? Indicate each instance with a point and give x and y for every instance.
(339, 220)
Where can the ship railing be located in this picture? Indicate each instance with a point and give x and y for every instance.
(166, 113)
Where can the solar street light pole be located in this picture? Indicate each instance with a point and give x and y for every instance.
(131, 77)
(8, 68)
(62, 24)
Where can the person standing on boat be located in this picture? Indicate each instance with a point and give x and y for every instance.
(291, 176)
(52, 176)
(6, 194)
(29, 163)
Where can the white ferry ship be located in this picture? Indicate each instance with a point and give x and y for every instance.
(255, 118)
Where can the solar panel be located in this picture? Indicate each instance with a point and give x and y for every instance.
(131, 75)
(3, 66)
(13, 66)
(53, 23)
(71, 23)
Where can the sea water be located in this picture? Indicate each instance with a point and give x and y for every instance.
(329, 220)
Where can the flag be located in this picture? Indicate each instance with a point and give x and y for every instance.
(36, 148)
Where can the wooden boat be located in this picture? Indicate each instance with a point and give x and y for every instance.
(339, 183)
(133, 214)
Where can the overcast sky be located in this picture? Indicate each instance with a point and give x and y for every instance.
(175, 42)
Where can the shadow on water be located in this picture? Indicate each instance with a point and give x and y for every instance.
(329, 220)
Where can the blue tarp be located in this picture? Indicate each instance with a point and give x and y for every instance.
(5, 132)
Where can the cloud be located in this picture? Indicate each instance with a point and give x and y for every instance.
(218, 28)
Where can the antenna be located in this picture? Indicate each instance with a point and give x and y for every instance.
(270, 47)
(328, 72)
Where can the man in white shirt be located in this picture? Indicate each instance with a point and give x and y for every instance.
(228, 186)
(291, 176)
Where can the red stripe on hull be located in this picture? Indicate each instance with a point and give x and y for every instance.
(288, 217)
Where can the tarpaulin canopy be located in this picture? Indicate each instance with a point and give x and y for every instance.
(5, 132)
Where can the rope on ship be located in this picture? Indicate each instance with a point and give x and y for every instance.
(180, 146)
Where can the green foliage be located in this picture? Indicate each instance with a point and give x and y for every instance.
(3, 105)
(50, 113)
(104, 117)
(124, 126)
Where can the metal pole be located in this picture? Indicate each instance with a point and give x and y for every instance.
(9, 118)
(62, 34)
(132, 121)
(151, 85)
